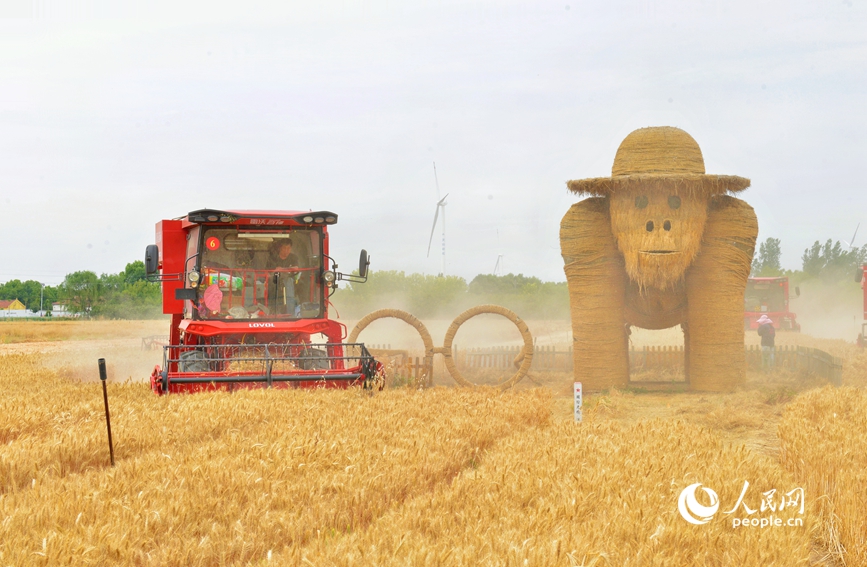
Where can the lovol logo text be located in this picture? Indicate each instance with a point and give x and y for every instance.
(260, 325)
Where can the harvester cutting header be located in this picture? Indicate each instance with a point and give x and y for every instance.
(248, 295)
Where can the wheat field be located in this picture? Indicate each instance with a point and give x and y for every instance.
(443, 476)
(823, 444)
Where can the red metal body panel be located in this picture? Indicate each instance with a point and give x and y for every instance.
(782, 317)
(172, 242)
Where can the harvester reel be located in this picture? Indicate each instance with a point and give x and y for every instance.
(525, 358)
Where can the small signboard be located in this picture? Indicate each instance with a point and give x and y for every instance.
(578, 401)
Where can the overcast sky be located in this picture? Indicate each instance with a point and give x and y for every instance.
(114, 118)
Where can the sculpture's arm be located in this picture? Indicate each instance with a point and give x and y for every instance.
(715, 285)
(596, 280)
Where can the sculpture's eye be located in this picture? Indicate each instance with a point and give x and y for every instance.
(641, 202)
(674, 202)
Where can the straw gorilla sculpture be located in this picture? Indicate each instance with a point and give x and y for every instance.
(658, 244)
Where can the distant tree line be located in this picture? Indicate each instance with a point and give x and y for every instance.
(432, 296)
(830, 262)
(125, 295)
(30, 293)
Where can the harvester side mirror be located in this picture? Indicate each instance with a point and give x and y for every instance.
(152, 260)
(859, 276)
(797, 291)
(363, 263)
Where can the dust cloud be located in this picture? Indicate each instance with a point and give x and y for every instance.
(124, 360)
(829, 310)
(486, 330)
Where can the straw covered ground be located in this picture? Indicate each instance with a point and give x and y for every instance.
(445, 476)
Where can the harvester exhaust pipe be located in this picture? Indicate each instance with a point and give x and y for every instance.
(102, 378)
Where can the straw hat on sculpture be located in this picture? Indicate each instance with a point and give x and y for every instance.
(659, 243)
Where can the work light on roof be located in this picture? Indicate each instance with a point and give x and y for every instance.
(308, 218)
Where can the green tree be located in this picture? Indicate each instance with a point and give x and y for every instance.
(767, 263)
(830, 261)
(529, 297)
(30, 293)
(128, 295)
(13, 289)
(134, 272)
(81, 291)
(488, 284)
(50, 295)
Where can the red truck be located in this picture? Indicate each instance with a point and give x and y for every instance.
(769, 296)
(248, 292)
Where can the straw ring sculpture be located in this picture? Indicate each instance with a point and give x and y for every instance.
(658, 244)
(522, 361)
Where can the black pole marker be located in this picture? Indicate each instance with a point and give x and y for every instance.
(102, 378)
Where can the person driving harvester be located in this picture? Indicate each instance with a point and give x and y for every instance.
(283, 288)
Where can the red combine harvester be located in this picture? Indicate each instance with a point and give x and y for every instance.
(769, 296)
(861, 276)
(248, 295)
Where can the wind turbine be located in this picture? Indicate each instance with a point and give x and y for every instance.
(499, 265)
(441, 204)
(852, 244)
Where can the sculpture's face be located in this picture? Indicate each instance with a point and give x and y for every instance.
(658, 231)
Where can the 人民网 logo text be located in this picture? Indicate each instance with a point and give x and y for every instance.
(763, 515)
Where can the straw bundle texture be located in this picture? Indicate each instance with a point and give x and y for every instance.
(659, 150)
(653, 308)
(597, 283)
(649, 154)
(656, 257)
(715, 287)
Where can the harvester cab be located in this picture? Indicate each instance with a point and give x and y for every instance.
(248, 293)
(769, 296)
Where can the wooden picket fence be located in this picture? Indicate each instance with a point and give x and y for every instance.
(808, 361)
(401, 368)
(654, 357)
(544, 357)
(551, 358)
(669, 359)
